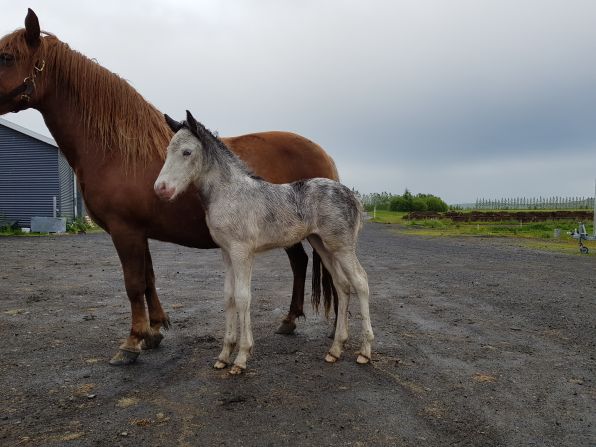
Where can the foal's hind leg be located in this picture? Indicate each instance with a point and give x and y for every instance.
(230, 313)
(157, 317)
(343, 293)
(359, 281)
(299, 263)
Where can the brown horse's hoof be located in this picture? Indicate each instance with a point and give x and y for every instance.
(123, 357)
(286, 328)
(151, 341)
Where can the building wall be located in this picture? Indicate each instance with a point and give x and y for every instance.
(66, 204)
(29, 176)
(71, 203)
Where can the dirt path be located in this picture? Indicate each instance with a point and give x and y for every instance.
(479, 342)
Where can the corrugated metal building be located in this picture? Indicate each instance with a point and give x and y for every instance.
(32, 172)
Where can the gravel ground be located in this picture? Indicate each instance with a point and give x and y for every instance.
(479, 342)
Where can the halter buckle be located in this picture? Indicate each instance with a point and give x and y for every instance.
(40, 69)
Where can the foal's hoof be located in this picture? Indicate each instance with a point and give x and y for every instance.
(220, 365)
(286, 328)
(235, 370)
(330, 358)
(151, 341)
(362, 359)
(123, 357)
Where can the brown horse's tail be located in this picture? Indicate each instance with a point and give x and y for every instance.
(321, 276)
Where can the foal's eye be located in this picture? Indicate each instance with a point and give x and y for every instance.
(6, 59)
(186, 152)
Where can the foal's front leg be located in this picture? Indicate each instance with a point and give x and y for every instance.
(230, 312)
(242, 261)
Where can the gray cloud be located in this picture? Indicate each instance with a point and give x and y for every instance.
(400, 93)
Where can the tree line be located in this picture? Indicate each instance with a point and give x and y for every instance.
(404, 202)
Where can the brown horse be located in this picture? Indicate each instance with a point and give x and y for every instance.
(116, 142)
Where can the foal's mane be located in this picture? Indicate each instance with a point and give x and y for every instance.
(216, 148)
(112, 111)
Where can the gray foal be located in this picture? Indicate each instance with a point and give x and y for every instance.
(247, 215)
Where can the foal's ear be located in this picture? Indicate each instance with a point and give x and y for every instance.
(32, 31)
(174, 125)
(198, 129)
(192, 122)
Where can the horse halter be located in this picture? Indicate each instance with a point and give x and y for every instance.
(29, 81)
(26, 89)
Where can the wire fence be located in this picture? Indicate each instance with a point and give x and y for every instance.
(536, 203)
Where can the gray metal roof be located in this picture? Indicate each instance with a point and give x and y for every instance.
(28, 132)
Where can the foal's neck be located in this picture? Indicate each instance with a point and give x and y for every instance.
(222, 179)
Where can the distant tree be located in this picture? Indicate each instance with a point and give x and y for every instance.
(419, 204)
(398, 203)
(434, 203)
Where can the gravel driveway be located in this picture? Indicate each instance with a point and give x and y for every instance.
(479, 342)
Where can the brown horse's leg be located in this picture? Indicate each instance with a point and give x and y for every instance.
(299, 263)
(130, 245)
(330, 291)
(157, 317)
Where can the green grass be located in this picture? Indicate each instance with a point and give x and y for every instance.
(72, 227)
(18, 232)
(388, 217)
(535, 230)
(534, 235)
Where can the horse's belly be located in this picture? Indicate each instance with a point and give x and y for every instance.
(282, 239)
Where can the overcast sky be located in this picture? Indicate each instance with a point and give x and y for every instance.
(462, 99)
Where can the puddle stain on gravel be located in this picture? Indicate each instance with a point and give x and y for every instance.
(126, 402)
(484, 378)
(381, 363)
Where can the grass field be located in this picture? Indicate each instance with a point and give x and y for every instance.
(535, 235)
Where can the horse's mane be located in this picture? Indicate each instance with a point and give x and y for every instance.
(112, 111)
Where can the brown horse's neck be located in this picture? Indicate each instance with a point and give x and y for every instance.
(95, 116)
(65, 123)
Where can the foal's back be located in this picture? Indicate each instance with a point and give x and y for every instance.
(267, 215)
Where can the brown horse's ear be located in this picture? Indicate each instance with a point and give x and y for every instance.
(32, 30)
(174, 125)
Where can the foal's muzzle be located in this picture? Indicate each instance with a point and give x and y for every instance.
(164, 191)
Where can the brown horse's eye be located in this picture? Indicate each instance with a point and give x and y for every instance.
(6, 59)
(186, 152)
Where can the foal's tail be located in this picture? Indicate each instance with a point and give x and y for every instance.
(320, 276)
